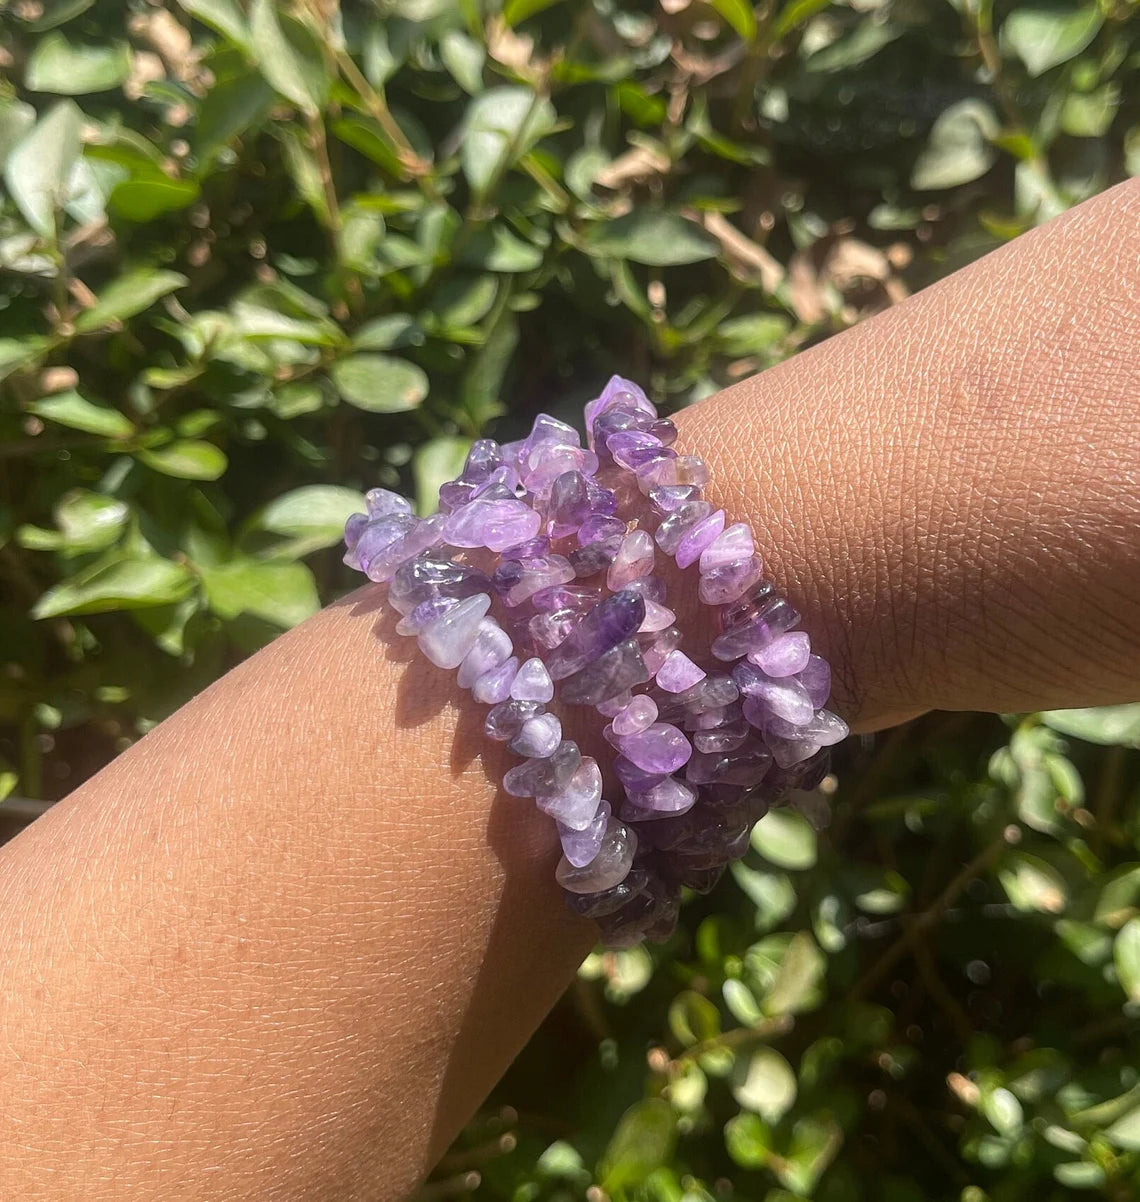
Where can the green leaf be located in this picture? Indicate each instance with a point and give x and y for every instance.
(310, 517)
(433, 464)
(1112, 725)
(78, 413)
(465, 299)
(73, 69)
(740, 15)
(765, 1084)
(126, 296)
(958, 149)
(188, 459)
(281, 593)
(289, 56)
(652, 236)
(794, 14)
(865, 41)
(122, 582)
(772, 893)
(57, 12)
(642, 1143)
(464, 58)
(748, 1140)
(16, 118)
(515, 11)
(1090, 115)
(1044, 35)
(384, 333)
(1126, 956)
(500, 126)
(798, 981)
(223, 15)
(380, 383)
(1125, 1132)
(693, 1018)
(786, 839)
(40, 165)
(497, 249)
(146, 199)
(233, 106)
(1032, 883)
(814, 1143)
(753, 333)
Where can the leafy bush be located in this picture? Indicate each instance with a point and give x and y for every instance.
(257, 257)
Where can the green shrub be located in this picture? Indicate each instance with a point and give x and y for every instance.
(255, 258)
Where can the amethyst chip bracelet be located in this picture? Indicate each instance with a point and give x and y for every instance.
(537, 581)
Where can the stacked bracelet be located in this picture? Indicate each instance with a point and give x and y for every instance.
(561, 541)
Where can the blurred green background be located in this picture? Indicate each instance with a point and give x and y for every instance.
(257, 257)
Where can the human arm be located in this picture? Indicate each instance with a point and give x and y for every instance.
(283, 946)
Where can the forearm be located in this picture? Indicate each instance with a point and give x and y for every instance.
(283, 946)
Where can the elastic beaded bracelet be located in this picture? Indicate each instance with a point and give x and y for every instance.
(545, 527)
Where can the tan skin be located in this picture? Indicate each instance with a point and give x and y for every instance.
(283, 947)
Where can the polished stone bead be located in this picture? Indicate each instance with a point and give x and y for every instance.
(569, 504)
(546, 775)
(624, 446)
(651, 915)
(575, 801)
(609, 623)
(432, 574)
(815, 676)
(425, 614)
(533, 682)
(600, 528)
(657, 646)
(790, 752)
(612, 706)
(699, 880)
(576, 596)
(634, 559)
(639, 713)
(449, 638)
(539, 737)
(698, 537)
(748, 605)
(651, 587)
(495, 524)
(657, 617)
(668, 498)
(382, 502)
(611, 673)
(492, 647)
(678, 673)
(825, 729)
(744, 766)
(549, 460)
(785, 655)
(714, 837)
(421, 537)
(608, 868)
(775, 616)
(581, 846)
(608, 901)
(495, 686)
(674, 527)
(669, 796)
(505, 721)
(533, 548)
(517, 580)
(722, 738)
(549, 629)
(376, 537)
(660, 748)
(594, 557)
(733, 544)
(721, 586)
(633, 778)
(784, 697)
(353, 529)
(715, 691)
(617, 392)
(713, 719)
